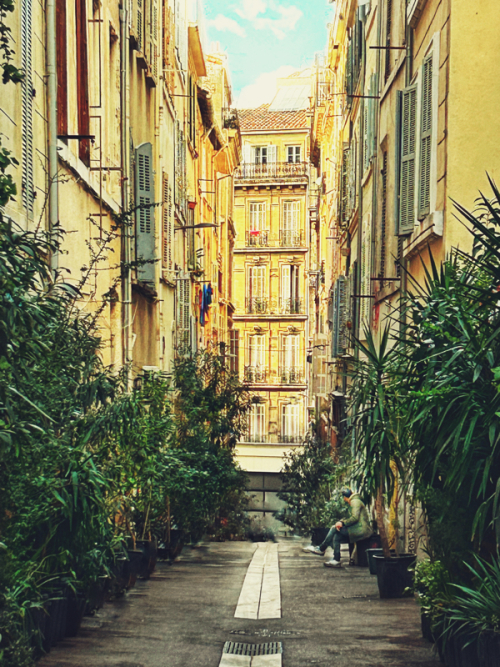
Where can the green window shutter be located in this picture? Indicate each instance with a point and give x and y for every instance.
(407, 176)
(145, 214)
(344, 187)
(424, 181)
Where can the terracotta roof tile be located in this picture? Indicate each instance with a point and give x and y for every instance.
(263, 119)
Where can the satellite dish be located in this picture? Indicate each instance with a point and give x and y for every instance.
(319, 181)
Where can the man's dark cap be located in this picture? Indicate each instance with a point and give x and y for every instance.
(346, 491)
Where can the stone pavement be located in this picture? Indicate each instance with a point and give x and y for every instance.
(185, 614)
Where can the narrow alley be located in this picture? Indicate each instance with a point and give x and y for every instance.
(219, 604)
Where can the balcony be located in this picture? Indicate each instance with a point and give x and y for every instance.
(291, 375)
(271, 439)
(274, 172)
(286, 239)
(264, 306)
(292, 307)
(255, 374)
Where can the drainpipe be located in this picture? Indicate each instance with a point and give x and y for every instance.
(125, 161)
(53, 203)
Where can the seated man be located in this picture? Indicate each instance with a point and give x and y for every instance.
(356, 527)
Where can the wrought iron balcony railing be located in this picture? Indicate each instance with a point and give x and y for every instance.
(273, 171)
(271, 438)
(286, 239)
(291, 375)
(257, 239)
(255, 374)
(291, 238)
(292, 306)
(257, 305)
(265, 306)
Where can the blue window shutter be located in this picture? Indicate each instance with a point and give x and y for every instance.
(145, 215)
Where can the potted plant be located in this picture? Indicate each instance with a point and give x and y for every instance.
(378, 426)
(432, 591)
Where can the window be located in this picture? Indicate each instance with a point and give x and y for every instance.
(167, 259)
(257, 216)
(256, 426)
(290, 224)
(408, 112)
(260, 155)
(293, 154)
(383, 221)
(183, 298)
(257, 293)
(234, 351)
(257, 352)
(62, 73)
(290, 302)
(290, 352)
(27, 107)
(82, 80)
(145, 215)
(388, 29)
(425, 139)
(290, 426)
(366, 285)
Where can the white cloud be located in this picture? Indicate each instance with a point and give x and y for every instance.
(277, 18)
(225, 24)
(250, 9)
(263, 90)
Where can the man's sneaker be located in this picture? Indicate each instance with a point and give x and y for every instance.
(313, 550)
(333, 563)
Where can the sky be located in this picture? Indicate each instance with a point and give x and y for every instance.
(266, 39)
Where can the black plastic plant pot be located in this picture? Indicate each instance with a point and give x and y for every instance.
(96, 594)
(488, 649)
(150, 551)
(393, 576)
(55, 630)
(137, 561)
(426, 626)
(76, 609)
(318, 535)
(375, 552)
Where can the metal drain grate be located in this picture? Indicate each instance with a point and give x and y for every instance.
(237, 648)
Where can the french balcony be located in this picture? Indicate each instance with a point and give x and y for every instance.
(291, 238)
(292, 306)
(255, 374)
(257, 306)
(257, 239)
(285, 239)
(273, 172)
(271, 438)
(291, 375)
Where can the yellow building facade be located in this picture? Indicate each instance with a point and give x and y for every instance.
(271, 335)
(403, 128)
(133, 123)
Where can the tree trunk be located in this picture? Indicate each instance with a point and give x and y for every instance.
(379, 511)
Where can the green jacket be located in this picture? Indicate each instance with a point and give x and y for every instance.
(358, 524)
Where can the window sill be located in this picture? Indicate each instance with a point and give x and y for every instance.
(426, 231)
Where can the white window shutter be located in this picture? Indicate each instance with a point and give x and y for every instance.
(145, 214)
(247, 154)
(272, 152)
(407, 168)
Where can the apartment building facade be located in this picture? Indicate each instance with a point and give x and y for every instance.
(111, 120)
(405, 128)
(271, 283)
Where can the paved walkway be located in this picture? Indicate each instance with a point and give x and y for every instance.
(237, 604)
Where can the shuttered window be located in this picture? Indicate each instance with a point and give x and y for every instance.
(338, 316)
(425, 139)
(62, 74)
(290, 352)
(388, 31)
(257, 424)
(290, 223)
(257, 351)
(344, 186)
(167, 227)
(27, 107)
(257, 216)
(365, 305)
(290, 426)
(145, 212)
(257, 276)
(234, 351)
(82, 80)
(153, 37)
(183, 298)
(383, 222)
(407, 167)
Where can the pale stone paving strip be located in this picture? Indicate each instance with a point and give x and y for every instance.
(260, 596)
